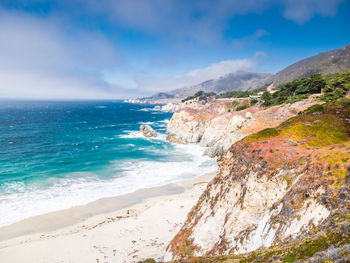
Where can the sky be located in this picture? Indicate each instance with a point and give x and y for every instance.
(114, 49)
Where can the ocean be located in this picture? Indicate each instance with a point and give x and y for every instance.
(56, 155)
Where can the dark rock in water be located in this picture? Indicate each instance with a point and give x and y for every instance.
(147, 131)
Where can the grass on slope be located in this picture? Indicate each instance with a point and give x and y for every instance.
(319, 125)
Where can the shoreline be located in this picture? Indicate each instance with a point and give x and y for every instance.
(67, 217)
(116, 219)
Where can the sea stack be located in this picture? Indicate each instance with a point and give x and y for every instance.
(147, 131)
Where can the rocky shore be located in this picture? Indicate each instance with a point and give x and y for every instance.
(217, 125)
(280, 195)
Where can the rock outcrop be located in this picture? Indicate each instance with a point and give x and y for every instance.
(270, 192)
(217, 125)
(170, 107)
(147, 131)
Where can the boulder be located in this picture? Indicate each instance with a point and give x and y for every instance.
(185, 128)
(170, 107)
(147, 131)
(248, 115)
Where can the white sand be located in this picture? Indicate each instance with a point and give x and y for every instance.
(141, 229)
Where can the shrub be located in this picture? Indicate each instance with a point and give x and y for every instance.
(296, 98)
(314, 108)
(235, 103)
(264, 134)
(337, 87)
(253, 101)
(334, 87)
(201, 95)
(267, 98)
(340, 82)
(242, 107)
(344, 102)
(236, 94)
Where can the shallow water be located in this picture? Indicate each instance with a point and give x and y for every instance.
(55, 155)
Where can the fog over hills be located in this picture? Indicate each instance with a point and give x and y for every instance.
(234, 81)
(330, 62)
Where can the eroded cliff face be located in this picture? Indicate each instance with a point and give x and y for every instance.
(217, 126)
(272, 186)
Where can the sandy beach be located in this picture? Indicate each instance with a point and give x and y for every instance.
(126, 228)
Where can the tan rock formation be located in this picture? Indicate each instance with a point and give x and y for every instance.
(216, 125)
(268, 190)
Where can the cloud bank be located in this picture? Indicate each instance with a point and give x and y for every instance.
(301, 11)
(216, 70)
(64, 49)
(41, 60)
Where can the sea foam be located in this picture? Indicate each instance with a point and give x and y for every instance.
(185, 161)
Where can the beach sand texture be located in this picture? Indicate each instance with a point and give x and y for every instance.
(128, 228)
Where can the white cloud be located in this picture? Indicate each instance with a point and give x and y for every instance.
(250, 40)
(200, 21)
(301, 11)
(156, 84)
(39, 59)
(47, 57)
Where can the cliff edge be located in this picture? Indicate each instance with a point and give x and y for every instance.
(217, 124)
(281, 194)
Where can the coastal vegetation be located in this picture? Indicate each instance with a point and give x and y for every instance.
(236, 94)
(253, 102)
(332, 87)
(242, 94)
(319, 125)
(242, 107)
(337, 87)
(201, 95)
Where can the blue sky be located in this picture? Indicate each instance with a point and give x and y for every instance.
(70, 49)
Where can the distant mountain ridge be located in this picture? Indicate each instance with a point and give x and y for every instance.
(330, 62)
(233, 81)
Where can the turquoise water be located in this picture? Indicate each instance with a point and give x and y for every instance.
(55, 155)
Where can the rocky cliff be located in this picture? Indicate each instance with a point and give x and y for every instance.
(217, 125)
(285, 187)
